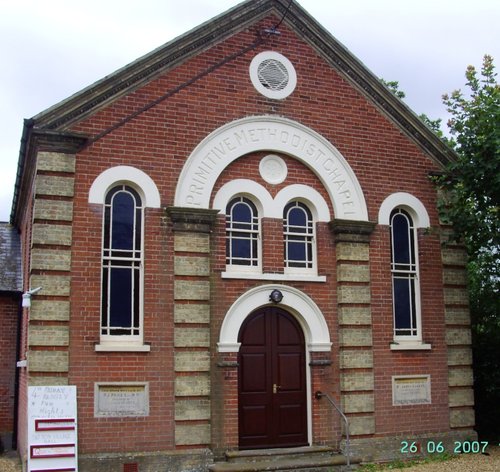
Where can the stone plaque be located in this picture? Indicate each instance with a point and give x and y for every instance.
(121, 399)
(411, 390)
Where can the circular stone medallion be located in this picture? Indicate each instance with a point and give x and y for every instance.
(273, 169)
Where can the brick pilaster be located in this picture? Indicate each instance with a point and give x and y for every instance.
(225, 402)
(352, 240)
(192, 325)
(50, 264)
(458, 337)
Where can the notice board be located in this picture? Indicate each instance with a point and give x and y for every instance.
(52, 429)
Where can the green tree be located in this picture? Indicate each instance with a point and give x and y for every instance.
(470, 204)
(472, 183)
(393, 86)
(434, 125)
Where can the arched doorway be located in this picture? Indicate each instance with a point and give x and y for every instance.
(272, 389)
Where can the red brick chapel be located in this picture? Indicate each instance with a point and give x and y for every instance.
(229, 232)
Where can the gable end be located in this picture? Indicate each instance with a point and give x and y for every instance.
(166, 57)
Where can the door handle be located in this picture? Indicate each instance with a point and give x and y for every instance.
(276, 388)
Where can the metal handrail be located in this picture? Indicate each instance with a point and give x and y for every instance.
(320, 394)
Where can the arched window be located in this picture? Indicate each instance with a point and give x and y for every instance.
(298, 231)
(404, 269)
(242, 233)
(122, 256)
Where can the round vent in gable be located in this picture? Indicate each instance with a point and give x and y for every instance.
(273, 75)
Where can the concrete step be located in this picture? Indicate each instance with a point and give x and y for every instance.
(278, 453)
(302, 459)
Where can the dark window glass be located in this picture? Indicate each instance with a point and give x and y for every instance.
(298, 229)
(242, 213)
(120, 297)
(122, 254)
(242, 232)
(403, 265)
(402, 303)
(296, 251)
(297, 218)
(241, 248)
(401, 240)
(123, 218)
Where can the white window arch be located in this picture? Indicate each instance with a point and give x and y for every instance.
(142, 182)
(407, 201)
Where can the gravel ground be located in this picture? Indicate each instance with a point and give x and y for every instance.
(464, 463)
(10, 462)
(489, 462)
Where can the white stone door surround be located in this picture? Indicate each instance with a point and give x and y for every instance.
(300, 305)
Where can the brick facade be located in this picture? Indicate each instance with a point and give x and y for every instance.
(192, 376)
(9, 316)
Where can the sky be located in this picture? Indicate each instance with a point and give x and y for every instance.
(52, 49)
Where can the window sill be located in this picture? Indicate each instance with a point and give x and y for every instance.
(275, 277)
(410, 346)
(122, 347)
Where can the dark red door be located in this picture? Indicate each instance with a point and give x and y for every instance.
(272, 382)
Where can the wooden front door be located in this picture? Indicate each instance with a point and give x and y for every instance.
(272, 381)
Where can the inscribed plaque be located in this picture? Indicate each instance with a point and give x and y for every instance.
(121, 399)
(411, 390)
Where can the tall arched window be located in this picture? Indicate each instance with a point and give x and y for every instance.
(298, 230)
(122, 255)
(404, 268)
(242, 233)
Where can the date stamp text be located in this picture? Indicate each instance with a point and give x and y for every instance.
(438, 447)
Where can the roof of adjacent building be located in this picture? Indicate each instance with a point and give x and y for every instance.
(10, 259)
(56, 122)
